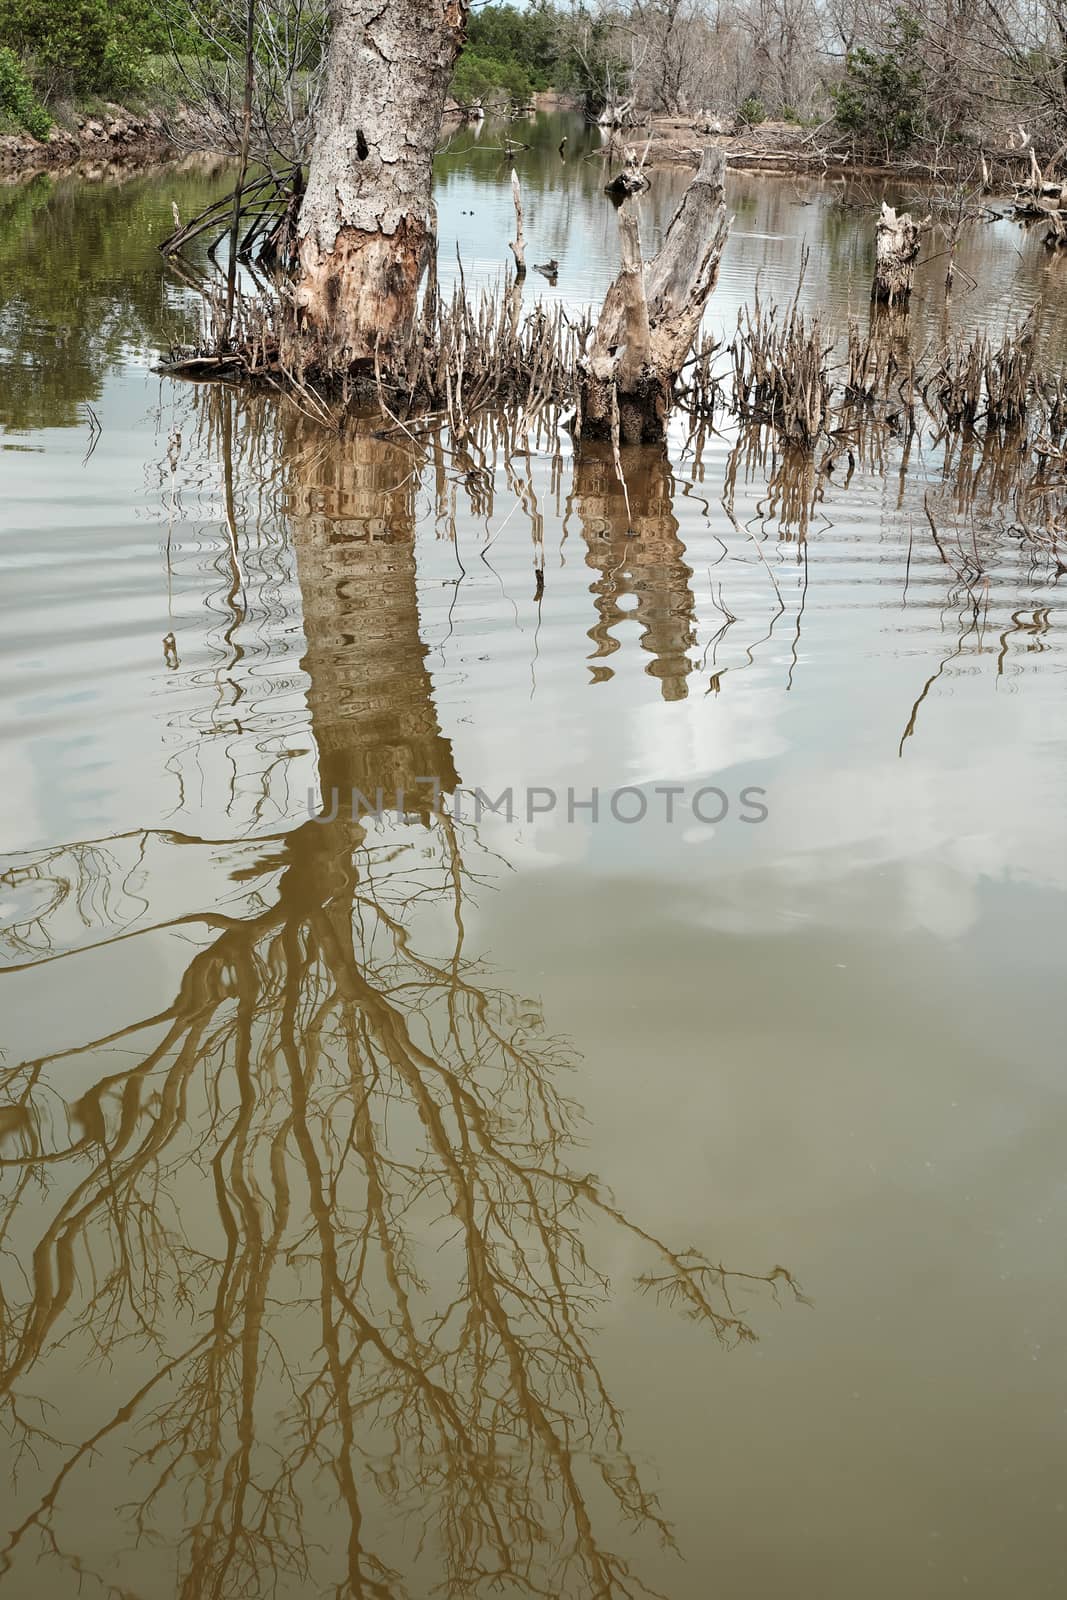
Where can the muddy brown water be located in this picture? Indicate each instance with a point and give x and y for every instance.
(537, 1203)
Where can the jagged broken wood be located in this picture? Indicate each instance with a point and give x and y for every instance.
(616, 114)
(651, 315)
(896, 250)
(631, 180)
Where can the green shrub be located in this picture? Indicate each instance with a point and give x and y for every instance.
(473, 79)
(79, 46)
(752, 110)
(880, 100)
(17, 99)
(527, 39)
(514, 80)
(480, 78)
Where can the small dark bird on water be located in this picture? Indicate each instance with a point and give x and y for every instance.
(550, 269)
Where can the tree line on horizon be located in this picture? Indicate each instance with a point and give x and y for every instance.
(888, 74)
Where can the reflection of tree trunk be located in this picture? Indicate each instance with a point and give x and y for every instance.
(367, 225)
(397, 1267)
(636, 551)
(351, 503)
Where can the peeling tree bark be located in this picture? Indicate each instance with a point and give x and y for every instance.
(651, 315)
(896, 251)
(367, 222)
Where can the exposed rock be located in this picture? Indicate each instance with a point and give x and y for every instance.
(121, 134)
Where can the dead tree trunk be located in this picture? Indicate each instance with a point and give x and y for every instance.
(896, 251)
(616, 114)
(651, 316)
(367, 222)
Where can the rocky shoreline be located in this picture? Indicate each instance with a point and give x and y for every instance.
(116, 136)
(113, 135)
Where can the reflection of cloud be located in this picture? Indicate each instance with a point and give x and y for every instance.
(701, 747)
(903, 845)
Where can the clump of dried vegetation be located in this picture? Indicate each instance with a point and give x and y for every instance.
(464, 353)
(976, 385)
(781, 372)
(474, 351)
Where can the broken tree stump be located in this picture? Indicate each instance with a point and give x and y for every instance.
(1041, 198)
(616, 114)
(631, 180)
(1056, 237)
(651, 315)
(897, 242)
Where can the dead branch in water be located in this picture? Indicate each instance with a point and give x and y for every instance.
(274, 197)
(631, 180)
(518, 246)
(897, 241)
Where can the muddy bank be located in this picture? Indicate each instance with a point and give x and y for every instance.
(114, 136)
(788, 147)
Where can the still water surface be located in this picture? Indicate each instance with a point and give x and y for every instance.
(550, 1205)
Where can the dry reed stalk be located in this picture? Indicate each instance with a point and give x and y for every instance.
(976, 386)
(780, 372)
(475, 351)
(461, 356)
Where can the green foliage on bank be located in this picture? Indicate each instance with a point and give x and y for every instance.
(63, 51)
(511, 53)
(69, 52)
(19, 105)
(526, 41)
(71, 48)
(479, 78)
(881, 100)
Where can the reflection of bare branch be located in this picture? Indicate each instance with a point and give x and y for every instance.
(320, 1214)
(394, 1092)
